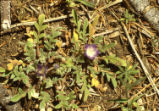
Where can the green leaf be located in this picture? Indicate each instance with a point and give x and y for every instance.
(35, 35)
(105, 47)
(99, 40)
(58, 106)
(71, 96)
(85, 25)
(75, 17)
(91, 5)
(49, 83)
(75, 106)
(115, 60)
(65, 100)
(45, 98)
(124, 109)
(86, 94)
(33, 93)
(130, 86)
(41, 35)
(30, 68)
(79, 25)
(55, 34)
(12, 76)
(84, 89)
(42, 106)
(71, 3)
(128, 17)
(69, 62)
(114, 82)
(25, 79)
(37, 27)
(92, 70)
(2, 69)
(6, 74)
(43, 27)
(41, 19)
(18, 96)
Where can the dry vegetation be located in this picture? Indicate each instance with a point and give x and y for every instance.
(136, 42)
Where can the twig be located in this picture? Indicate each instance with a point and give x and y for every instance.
(1, 45)
(149, 34)
(143, 89)
(46, 21)
(33, 9)
(33, 22)
(106, 32)
(107, 6)
(111, 4)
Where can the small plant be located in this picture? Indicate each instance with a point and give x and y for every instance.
(60, 63)
(126, 74)
(130, 105)
(35, 63)
(154, 42)
(128, 17)
(65, 101)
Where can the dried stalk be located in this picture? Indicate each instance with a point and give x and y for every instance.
(45, 21)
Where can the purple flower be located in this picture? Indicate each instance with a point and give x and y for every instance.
(41, 70)
(91, 51)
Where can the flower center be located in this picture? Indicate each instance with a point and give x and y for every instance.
(90, 51)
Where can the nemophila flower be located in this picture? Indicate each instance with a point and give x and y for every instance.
(91, 51)
(41, 70)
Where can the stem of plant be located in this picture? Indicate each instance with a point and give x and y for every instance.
(37, 50)
(37, 46)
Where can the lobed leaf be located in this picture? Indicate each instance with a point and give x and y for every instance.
(2, 69)
(41, 19)
(18, 96)
(75, 17)
(115, 60)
